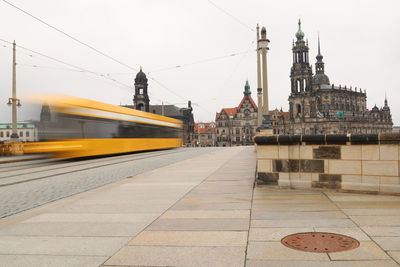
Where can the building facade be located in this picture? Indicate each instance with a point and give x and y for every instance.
(205, 134)
(141, 101)
(237, 126)
(27, 132)
(318, 107)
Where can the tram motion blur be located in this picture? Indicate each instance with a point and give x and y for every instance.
(74, 127)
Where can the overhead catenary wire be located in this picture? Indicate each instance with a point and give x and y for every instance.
(230, 15)
(68, 35)
(87, 45)
(69, 64)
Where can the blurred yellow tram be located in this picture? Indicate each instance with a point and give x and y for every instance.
(74, 127)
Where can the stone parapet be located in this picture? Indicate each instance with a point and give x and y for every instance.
(362, 163)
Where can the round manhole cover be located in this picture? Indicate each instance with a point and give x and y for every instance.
(320, 242)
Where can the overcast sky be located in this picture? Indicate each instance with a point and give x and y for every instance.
(360, 42)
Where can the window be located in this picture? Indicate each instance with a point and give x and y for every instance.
(21, 134)
(27, 133)
(8, 134)
(140, 91)
(1, 134)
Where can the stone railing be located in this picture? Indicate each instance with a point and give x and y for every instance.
(362, 162)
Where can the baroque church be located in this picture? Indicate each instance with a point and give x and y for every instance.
(318, 107)
(237, 126)
(141, 101)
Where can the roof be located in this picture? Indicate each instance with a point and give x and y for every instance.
(228, 111)
(20, 125)
(233, 111)
(204, 127)
(251, 101)
(169, 110)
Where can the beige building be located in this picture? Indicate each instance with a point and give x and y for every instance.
(318, 107)
(237, 126)
(27, 132)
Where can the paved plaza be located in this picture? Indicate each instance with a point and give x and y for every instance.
(203, 211)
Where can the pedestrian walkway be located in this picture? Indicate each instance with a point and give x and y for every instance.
(200, 212)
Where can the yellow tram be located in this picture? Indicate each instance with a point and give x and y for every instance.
(74, 127)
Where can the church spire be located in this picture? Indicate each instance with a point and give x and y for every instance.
(320, 78)
(319, 66)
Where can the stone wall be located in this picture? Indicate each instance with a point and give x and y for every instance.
(367, 163)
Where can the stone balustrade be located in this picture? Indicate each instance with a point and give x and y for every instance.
(358, 162)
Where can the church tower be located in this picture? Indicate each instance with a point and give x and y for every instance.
(141, 98)
(301, 71)
(320, 78)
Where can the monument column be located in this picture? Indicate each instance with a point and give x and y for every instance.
(263, 46)
(259, 89)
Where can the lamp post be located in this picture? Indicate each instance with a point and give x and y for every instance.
(14, 102)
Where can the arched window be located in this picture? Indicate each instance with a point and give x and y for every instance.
(298, 109)
(141, 107)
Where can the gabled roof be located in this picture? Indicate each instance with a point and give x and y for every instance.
(251, 101)
(233, 111)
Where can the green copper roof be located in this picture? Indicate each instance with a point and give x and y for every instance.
(299, 33)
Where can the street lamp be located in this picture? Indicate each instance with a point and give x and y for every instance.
(14, 102)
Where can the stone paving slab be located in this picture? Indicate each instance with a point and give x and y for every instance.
(299, 263)
(304, 223)
(367, 250)
(206, 214)
(277, 251)
(75, 229)
(190, 238)
(296, 215)
(382, 230)
(51, 261)
(178, 256)
(48, 245)
(388, 242)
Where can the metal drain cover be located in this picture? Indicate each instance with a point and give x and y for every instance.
(320, 242)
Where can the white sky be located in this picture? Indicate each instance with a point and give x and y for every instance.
(360, 42)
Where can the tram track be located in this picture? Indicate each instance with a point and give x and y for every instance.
(97, 163)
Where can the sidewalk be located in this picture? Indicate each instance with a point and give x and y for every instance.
(200, 212)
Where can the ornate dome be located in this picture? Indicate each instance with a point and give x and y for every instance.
(141, 76)
(320, 78)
